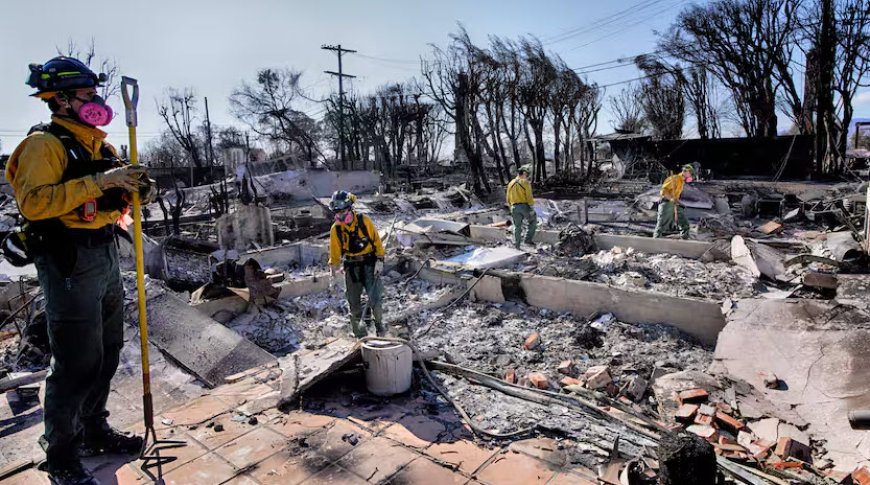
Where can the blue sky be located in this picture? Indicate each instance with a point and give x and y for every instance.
(213, 45)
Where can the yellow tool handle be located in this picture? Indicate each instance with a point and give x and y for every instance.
(130, 103)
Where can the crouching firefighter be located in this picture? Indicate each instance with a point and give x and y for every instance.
(354, 242)
(71, 189)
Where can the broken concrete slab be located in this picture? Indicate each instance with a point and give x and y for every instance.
(199, 344)
(304, 369)
(854, 290)
(483, 258)
(818, 349)
(758, 259)
(741, 256)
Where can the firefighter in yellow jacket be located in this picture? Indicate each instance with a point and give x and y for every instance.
(522, 206)
(71, 188)
(671, 210)
(355, 244)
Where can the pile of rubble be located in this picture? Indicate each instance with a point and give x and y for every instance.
(286, 324)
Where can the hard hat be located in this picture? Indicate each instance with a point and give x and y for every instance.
(62, 74)
(341, 200)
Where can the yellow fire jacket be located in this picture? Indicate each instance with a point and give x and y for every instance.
(519, 191)
(35, 170)
(339, 245)
(672, 188)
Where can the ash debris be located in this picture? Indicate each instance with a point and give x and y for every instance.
(662, 273)
(490, 338)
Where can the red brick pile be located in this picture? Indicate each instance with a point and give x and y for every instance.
(732, 439)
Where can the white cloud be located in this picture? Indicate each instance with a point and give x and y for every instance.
(862, 98)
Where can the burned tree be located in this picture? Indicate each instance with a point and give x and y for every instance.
(662, 98)
(270, 107)
(836, 37)
(628, 110)
(536, 85)
(746, 44)
(453, 80)
(178, 113)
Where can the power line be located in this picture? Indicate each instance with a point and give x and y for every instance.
(387, 59)
(623, 28)
(632, 10)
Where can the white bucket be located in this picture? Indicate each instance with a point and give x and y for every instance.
(388, 367)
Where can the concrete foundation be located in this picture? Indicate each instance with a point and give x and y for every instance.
(701, 319)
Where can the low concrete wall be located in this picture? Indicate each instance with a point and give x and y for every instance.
(701, 319)
(305, 254)
(686, 249)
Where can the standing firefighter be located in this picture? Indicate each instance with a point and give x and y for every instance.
(519, 199)
(71, 189)
(671, 210)
(355, 242)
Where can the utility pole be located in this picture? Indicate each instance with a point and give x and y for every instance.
(341, 75)
(210, 146)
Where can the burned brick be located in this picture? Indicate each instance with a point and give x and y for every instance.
(533, 341)
(789, 448)
(598, 377)
(566, 367)
(686, 413)
(704, 419)
(728, 422)
(704, 431)
(539, 380)
(693, 396)
(570, 381)
(510, 376)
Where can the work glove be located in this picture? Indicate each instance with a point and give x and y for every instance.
(127, 177)
(379, 267)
